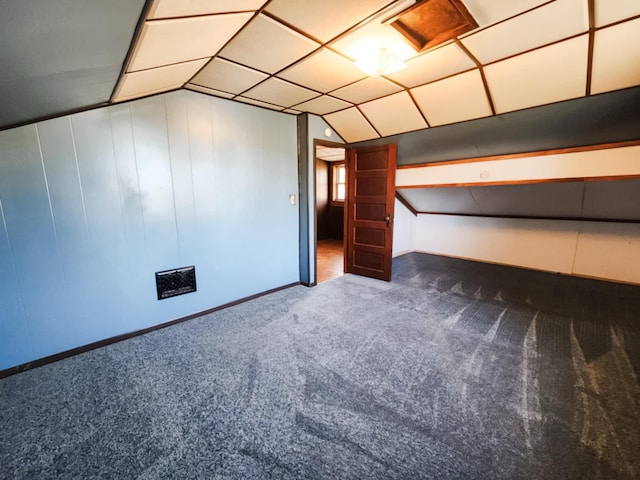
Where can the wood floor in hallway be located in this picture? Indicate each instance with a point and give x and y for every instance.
(330, 259)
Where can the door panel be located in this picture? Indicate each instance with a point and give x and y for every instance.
(369, 210)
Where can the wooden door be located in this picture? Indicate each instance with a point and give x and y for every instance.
(371, 174)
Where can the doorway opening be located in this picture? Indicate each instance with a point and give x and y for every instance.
(330, 188)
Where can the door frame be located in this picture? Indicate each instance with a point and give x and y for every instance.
(323, 143)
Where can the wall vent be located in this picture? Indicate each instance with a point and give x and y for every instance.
(178, 281)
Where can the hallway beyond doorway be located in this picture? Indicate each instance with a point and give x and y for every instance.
(330, 259)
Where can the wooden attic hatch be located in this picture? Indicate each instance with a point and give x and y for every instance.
(431, 22)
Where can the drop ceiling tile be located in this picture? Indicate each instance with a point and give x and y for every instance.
(393, 114)
(187, 8)
(323, 71)
(615, 57)
(367, 89)
(351, 125)
(209, 91)
(163, 42)
(228, 77)
(268, 45)
(609, 11)
(454, 99)
(547, 75)
(258, 103)
(433, 65)
(323, 105)
(279, 92)
(327, 19)
(488, 13)
(155, 80)
(556, 21)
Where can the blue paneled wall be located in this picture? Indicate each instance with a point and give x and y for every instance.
(93, 204)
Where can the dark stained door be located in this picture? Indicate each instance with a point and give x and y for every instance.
(371, 174)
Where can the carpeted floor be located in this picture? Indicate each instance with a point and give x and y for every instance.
(453, 370)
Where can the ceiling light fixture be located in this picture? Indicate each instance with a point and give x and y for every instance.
(381, 62)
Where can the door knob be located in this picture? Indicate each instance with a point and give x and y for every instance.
(388, 220)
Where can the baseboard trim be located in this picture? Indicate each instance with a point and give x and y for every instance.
(125, 336)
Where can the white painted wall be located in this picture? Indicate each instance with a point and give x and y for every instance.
(609, 251)
(402, 229)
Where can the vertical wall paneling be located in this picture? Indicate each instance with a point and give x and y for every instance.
(93, 204)
(13, 323)
(107, 268)
(31, 234)
(136, 279)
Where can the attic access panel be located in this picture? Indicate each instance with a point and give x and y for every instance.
(431, 22)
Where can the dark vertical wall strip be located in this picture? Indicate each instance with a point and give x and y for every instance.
(605, 118)
(303, 197)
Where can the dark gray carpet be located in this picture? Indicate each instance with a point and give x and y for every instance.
(453, 370)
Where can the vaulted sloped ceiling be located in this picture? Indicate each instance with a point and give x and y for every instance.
(295, 56)
(58, 56)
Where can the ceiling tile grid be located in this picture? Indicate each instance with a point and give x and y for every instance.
(161, 42)
(299, 56)
(553, 22)
(279, 92)
(367, 89)
(610, 11)
(351, 125)
(455, 99)
(436, 64)
(616, 57)
(547, 75)
(189, 8)
(228, 76)
(326, 19)
(323, 105)
(268, 45)
(323, 71)
(396, 113)
(156, 80)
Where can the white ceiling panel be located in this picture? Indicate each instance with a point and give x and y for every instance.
(394, 114)
(327, 19)
(279, 92)
(609, 11)
(147, 82)
(323, 71)
(351, 125)
(187, 8)
(258, 103)
(433, 65)
(454, 99)
(616, 57)
(268, 45)
(323, 105)
(228, 77)
(547, 75)
(489, 12)
(162, 42)
(209, 91)
(365, 90)
(556, 21)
